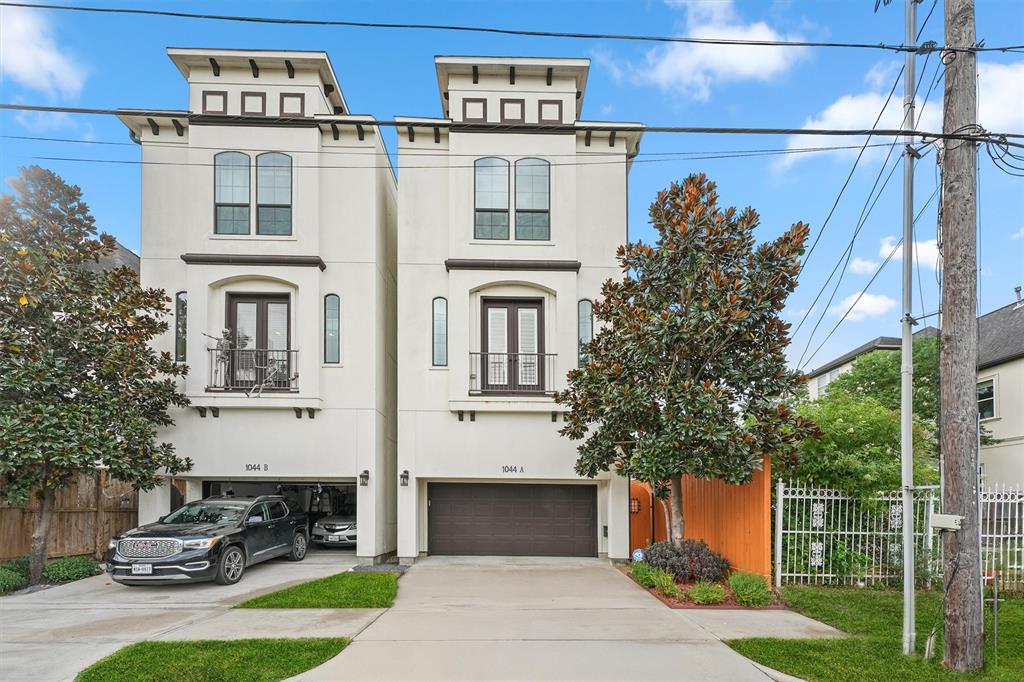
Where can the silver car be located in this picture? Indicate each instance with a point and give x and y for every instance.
(338, 529)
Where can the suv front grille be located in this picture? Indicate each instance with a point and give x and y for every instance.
(143, 548)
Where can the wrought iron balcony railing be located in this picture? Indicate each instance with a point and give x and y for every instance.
(511, 373)
(253, 371)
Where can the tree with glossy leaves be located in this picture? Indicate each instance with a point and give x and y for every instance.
(81, 388)
(687, 372)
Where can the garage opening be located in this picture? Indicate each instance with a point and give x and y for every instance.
(507, 519)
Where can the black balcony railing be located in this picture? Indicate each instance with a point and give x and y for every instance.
(511, 373)
(253, 371)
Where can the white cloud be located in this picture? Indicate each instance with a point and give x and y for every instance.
(1001, 96)
(862, 266)
(926, 253)
(692, 69)
(1019, 234)
(869, 305)
(29, 54)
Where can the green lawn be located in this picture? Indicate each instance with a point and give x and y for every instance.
(341, 591)
(874, 652)
(244, 660)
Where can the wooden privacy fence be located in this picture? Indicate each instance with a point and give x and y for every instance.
(734, 520)
(86, 514)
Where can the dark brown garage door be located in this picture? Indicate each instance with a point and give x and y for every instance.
(512, 519)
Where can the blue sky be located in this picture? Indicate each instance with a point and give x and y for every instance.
(89, 60)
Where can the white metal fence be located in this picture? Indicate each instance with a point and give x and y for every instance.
(825, 537)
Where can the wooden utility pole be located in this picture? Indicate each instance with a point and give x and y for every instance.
(963, 638)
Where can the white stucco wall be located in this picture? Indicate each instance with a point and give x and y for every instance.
(1003, 462)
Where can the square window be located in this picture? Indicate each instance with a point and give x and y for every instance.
(474, 110)
(549, 111)
(293, 104)
(215, 102)
(254, 104)
(512, 111)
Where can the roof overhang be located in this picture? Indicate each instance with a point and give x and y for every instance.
(185, 58)
(577, 69)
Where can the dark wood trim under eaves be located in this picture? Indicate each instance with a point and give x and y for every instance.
(500, 264)
(252, 259)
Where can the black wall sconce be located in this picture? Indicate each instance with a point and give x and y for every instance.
(364, 478)
(404, 478)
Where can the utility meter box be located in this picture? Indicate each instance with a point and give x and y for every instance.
(947, 521)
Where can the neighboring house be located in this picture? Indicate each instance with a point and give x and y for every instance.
(1000, 386)
(261, 219)
(505, 237)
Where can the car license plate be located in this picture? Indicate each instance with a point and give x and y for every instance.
(142, 569)
(333, 538)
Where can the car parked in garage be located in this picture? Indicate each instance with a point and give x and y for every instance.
(212, 539)
(337, 529)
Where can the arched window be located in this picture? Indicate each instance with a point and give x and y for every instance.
(490, 198)
(533, 198)
(274, 194)
(439, 332)
(585, 327)
(332, 329)
(231, 193)
(180, 325)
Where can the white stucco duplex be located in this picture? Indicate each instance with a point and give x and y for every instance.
(505, 236)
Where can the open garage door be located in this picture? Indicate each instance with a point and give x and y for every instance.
(506, 519)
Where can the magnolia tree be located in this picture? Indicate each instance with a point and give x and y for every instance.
(80, 386)
(687, 373)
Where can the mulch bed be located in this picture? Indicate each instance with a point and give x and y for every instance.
(730, 602)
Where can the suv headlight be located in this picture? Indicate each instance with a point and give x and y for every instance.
(112, 544)
(200, 543)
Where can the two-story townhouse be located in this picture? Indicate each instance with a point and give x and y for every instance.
(1000, 386)
(510, 212)
(269, 216)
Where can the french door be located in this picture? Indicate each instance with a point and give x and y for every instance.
(260, 339)
(512, 344)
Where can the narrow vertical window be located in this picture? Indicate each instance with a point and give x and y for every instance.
(180, 325)
(231, 193)
(533, 199)
(491, 199)
(274, 194)
(332, 329)
(439, 332)
(585, 325)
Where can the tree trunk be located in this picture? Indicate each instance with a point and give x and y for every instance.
(676, 527)
(41, 536)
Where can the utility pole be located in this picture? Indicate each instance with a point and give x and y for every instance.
(963, 638)
(907, 347)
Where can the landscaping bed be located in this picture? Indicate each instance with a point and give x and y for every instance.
(14, 573)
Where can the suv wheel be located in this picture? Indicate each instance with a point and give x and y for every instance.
(299, 547)
(232, 566)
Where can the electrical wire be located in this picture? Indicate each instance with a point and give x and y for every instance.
(920, 49)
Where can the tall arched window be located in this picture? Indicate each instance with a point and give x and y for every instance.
(180, 325)
(332, 329)
(274, 194)
(533, 197)
(585, 326)
(439, 332)
(490, 198)
(231, 193)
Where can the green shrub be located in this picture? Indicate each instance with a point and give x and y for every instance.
(665, 583)
(69, 568)
(11, 580)
(642, 573)
(751, 589)
(706, 593)
(19, 565)
(690, 562)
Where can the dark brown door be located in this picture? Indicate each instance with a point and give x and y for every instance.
(512, 341)
(260, 338)
(508, 519)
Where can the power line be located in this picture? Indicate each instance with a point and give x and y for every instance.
(525, 128)
(925, 48)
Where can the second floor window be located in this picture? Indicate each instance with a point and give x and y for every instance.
(491, 199)
(533, 199)
(439, 332)
(180, 325)
(231, 193)
(274, 194)
(987, 399)
(585, 310)
(332, 329)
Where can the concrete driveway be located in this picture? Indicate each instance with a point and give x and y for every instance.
(53, 633)
(519, 618)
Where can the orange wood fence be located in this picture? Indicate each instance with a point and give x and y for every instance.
(734, 520)
(86, 515)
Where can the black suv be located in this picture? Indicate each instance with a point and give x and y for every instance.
(211, 539)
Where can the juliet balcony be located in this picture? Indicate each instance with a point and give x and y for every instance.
(529, 374)
(253, 371)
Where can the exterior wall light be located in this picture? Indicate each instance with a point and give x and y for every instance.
(364, 478)
(404, 478)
